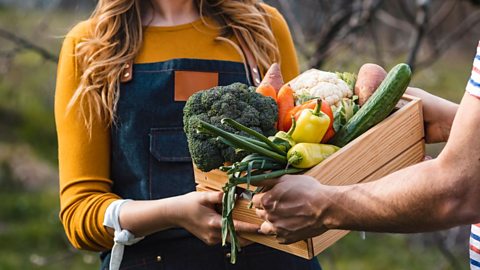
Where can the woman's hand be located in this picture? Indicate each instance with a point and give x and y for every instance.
(293, 208)
(196, 213)
(438, 115)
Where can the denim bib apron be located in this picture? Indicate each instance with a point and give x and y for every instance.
(150, 160)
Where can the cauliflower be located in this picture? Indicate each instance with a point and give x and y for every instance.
(331, 87)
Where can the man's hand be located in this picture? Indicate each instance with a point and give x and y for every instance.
(293, 208)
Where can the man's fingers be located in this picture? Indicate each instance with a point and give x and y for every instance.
(268, 183)
(261, 214)
(425, 158)
(267, 228)
(257, 200)
(265, 201)
(245, 227)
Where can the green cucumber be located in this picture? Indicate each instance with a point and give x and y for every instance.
(378, 106)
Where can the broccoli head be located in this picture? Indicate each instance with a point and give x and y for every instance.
(236, 101)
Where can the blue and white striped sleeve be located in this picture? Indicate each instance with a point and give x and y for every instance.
(473, 86)
(475, 247)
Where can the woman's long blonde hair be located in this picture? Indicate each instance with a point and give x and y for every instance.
(116, 38)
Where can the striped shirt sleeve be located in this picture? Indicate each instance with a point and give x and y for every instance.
(475, 247)
(473, 86)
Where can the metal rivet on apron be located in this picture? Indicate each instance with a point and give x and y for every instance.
(228, 255)
(159, 258)
(257, 80)
(255, 70)
(127, 66)
(126, 74)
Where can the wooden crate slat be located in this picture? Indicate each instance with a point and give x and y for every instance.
(374, 148)
(214, 179)
(393, 144)
(411, 156)
(299, 248)
(322, 242)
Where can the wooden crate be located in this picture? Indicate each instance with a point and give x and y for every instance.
(395, 143)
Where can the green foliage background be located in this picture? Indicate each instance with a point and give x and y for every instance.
(31, 236)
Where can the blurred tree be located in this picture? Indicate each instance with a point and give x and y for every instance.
(46, 4)
(75, 4)
(326, 28)
(409, 27)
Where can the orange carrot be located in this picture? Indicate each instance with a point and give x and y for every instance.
(267, 90)
(285, 103)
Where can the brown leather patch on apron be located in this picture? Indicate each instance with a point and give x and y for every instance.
(190, 82)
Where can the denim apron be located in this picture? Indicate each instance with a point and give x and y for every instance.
(150, 160)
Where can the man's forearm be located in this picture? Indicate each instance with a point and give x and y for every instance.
(431, 195)
(423, 197)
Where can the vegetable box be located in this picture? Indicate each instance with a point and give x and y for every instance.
(395, 143)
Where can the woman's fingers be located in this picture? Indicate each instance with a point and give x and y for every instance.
(245, 227)
(214, 222)
(244, 242)
(212, 197)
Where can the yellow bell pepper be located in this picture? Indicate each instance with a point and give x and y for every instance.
(284, 139)
(307, 155)
(311, 125)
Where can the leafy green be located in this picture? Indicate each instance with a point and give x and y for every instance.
(302, 98)
(345, 111)
(349, 78)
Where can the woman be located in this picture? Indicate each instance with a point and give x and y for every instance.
(125, 170)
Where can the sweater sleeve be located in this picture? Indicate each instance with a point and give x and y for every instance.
(288, 55)
(84, 159)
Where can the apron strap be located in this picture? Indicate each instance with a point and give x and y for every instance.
(127, 73)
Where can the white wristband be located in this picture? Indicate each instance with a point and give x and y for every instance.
(122, 237)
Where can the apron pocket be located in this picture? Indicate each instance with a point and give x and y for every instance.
(170, 165)
(169, 144)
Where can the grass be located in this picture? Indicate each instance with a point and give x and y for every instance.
(32, 236)
(385, 251)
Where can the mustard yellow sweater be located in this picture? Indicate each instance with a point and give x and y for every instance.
(84, 161)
